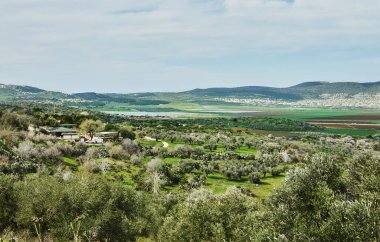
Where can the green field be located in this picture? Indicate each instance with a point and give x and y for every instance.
(218, 184)
(352, 132)
(217, 110)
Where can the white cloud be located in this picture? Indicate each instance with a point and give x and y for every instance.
(96, 33)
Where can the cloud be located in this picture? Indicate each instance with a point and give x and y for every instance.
(43, 39)
(144, 9)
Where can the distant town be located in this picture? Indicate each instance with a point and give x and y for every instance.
(339, 100)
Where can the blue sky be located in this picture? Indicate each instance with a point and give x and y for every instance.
(175, 45)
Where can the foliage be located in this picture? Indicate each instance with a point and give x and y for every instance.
(196, 180)
(207, 217)
(11, 120)
(7, 202)
(90, 127)
(272, 124)
(78, 209)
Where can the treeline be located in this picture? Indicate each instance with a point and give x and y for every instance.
(46, 114)
(321, 201)
(49, 114)
(270, 124)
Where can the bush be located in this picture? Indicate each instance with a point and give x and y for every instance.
(14, 121)
(117, 152)
(88, 208)
(135, 160)
(207, 217)
(254, 177)
(232, 170)
(52, 153)
(275, 171)
(26, 150)
(7, 202)
(132, 147)
(127, 133)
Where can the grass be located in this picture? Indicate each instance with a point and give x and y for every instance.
(186, 107)
(173, 160)
(149, 142)
(311, 113)
(246, 150)
(70, 161)
(267, 186)
(352, 132)
(218, 184)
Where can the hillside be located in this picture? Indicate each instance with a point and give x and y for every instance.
(27, 93)
(301, 91)
(307, 94)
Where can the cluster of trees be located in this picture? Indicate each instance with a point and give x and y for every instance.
(206, 140)
(265, 123)
(196, 153)
(14, 121)
(91, 127)
(75, 209)
(118, 191)
(322, 201)
(190, 174)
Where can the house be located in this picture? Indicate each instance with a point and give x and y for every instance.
(64, 133)
(107, 136)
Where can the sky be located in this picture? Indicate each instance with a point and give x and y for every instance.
(128, 46)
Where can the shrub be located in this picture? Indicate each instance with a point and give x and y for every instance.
(207, 217)
(7, 202)
(85, 208)
(275, 171)
(135, 160)
(130, 146)
(14, 121)
(254, 177)
(117, 152)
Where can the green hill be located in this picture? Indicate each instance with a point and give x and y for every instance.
(301, 91)
(12, 93)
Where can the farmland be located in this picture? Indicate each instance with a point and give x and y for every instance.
(166, 167)
(342, 121)
(190, 121)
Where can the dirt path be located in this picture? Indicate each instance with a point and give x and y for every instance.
(165, 144)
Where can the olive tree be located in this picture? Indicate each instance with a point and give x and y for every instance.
(7, 202)
(204, 216)
(90, 127)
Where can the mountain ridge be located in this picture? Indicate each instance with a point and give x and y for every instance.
(305, 90)
(302, 91)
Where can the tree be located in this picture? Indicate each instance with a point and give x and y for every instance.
(111, 127)
(155, 178)
(86, 208)
(204, 216)
(14, 121)
(127, 133)
(7, 202)
(316, 203)
(132, 147)
(254, 177)
(90, 127)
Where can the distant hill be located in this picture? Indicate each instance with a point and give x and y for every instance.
(14, 89)
(248, 92)
(314, 89)
(28, 93)
(118, 98)
(209, 96)
(301, 91)
(89, 95)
